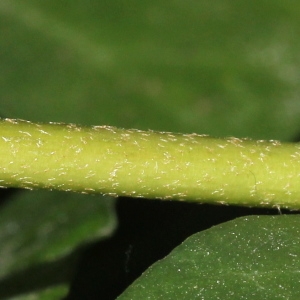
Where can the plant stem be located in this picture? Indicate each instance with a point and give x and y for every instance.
(149, 164)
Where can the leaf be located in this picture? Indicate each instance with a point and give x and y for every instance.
(218, 68)
(254, 257)
(48, 294)
(39, 232)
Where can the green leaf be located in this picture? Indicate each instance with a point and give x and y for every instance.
(253, 257)
(39, 232)
(218, 68)
(49, 294)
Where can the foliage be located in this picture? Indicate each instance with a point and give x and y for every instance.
(250, 257)
(223, 68)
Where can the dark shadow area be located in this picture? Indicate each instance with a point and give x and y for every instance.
(148, 230)
(6, 195)
(296, 139)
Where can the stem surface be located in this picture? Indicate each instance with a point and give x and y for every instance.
(149, 164)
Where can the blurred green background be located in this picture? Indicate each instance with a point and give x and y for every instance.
(221, 67)
(224, 68)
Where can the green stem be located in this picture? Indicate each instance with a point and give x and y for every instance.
(149, 164)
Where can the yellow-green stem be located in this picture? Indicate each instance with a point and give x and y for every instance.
(119, 162)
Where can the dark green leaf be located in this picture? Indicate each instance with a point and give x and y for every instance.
(249, 258)
(40, 230)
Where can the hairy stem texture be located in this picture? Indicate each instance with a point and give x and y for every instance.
(119, 162)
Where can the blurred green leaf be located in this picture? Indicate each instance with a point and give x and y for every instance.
(48, 294)
(220, 67)
(253, 257)
(41, 228)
